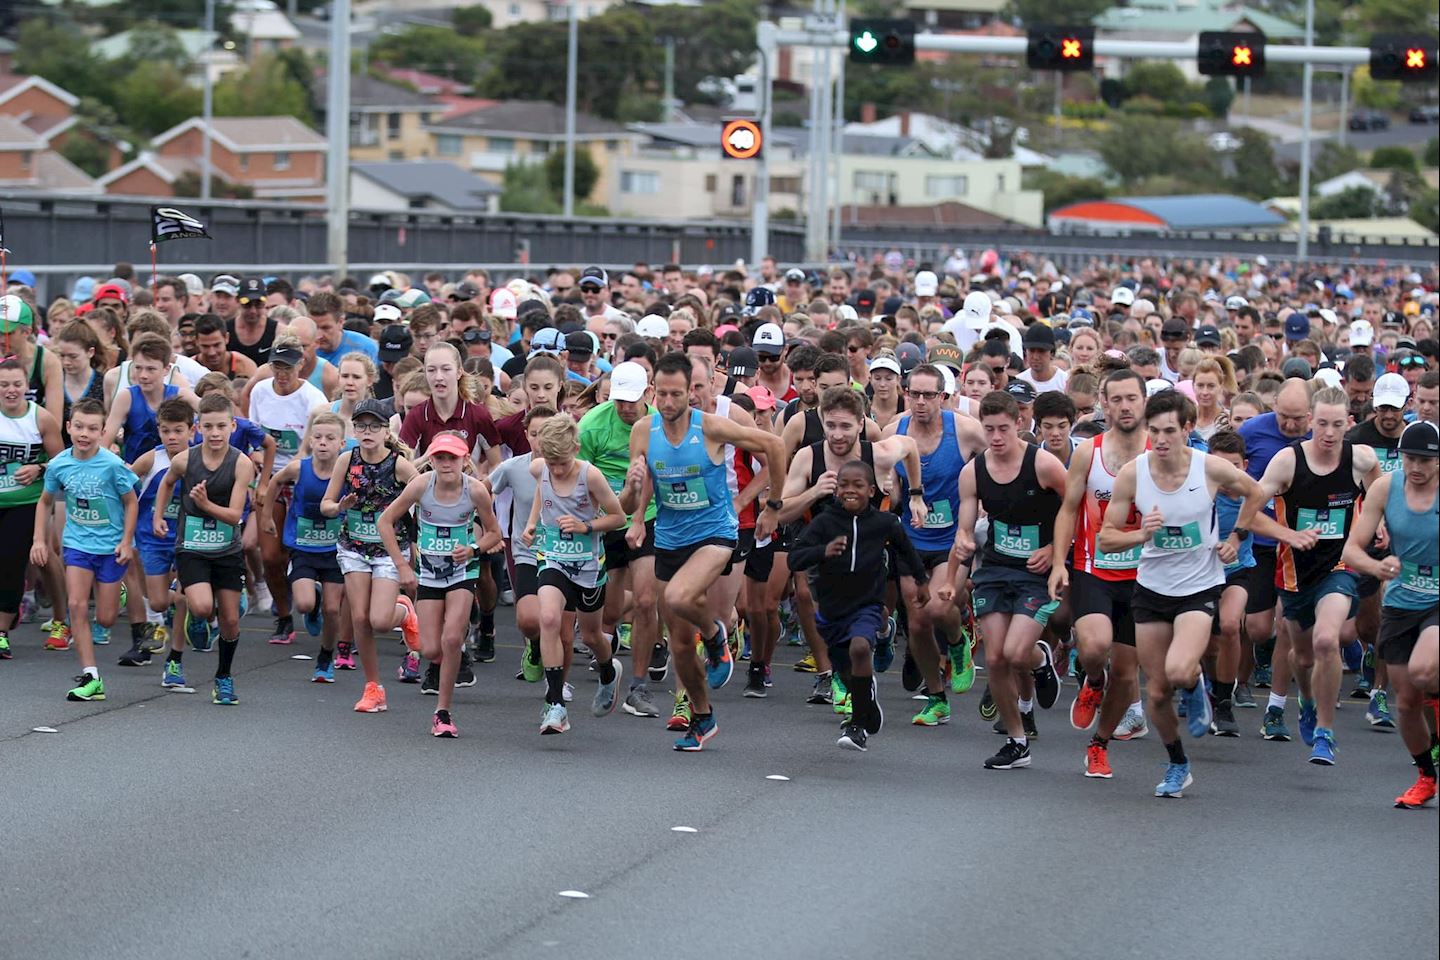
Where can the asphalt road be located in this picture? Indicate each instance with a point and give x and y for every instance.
(156, 825)
(1400, 133)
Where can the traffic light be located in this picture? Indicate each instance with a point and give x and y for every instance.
(890, 42)
(1401, 57)
(1227, 54)
(1060, 48)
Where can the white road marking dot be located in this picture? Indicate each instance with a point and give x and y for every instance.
(575, 894)
(684, 830)
(44, 730)
(302, 656)
(776, 776)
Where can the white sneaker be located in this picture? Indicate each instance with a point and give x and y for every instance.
(569, 692)
(263, 600)
(1132, 726)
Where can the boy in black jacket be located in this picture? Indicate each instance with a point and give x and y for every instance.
(847, 551)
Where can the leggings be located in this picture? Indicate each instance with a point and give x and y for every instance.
(17, 528)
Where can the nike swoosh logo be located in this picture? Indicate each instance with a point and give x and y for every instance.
(1192, 489)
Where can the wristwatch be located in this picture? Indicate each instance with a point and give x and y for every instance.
(775, 505)
(1239, 533)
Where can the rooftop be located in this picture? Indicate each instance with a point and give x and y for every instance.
(371, 92)
(252, 133)
(1216, 211)
(529, 117)
(444, 183)
(1187, 19)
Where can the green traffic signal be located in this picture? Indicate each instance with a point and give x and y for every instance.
(887, 41)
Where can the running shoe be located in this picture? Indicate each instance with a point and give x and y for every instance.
(1012, 756)
(1378, 712)
(284, 633)
(87, 688)
(224, 692)
(1367, 668)
(344, 655)
(325, 674)
(1274, 727)
(745, 652)
(987, 707)
(701, 730)
(719, 664)
(136, 656)
(1086, 707)
(1047, 681)
(157, 638)
(885, 647)
(607, 695)
(465, 676)
(430, 686)
(410, 625)
(174, 676)
(372, 700)
(806, 664)
(623, 634)
(1177, 778)
(197, 632)
(315, 621)
(659, 667)
(59, 635)
(1322, 752)
(874, 719)
(244, 603)
(1244, 699)
(935, 713)
(1224, 724)
(639, 704)
(910, 677)
(839, 695)
(532, 670)
(1260, 676)
(442, 726)
(755, 682)
(485, 646)
(1352, 655)
(822, 691)
(554, 719)
(737, 640)
(1027, 723)
(962, 667)
(1197, 713)
(567, 692)
(100, 636)
(124, 595)
(1132, 726)
(1419, 794)
(1308, 719)
(5, 653)
(680, 718)
(409, 669)
(852, 737)
(769, 680)
(1097, 762)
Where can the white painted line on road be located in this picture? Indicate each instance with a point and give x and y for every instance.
(683, 830)
(44, 730)
(776, 776)
(302, 656)
(181, 689)
(575, 894)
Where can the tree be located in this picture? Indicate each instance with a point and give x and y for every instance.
(1160, 79)
(1060, 190)
(1432, 152)
(268, 88)
(586, 173)
(48, 49)
(1219, 94)
(1426, 209)
(1136, 147)
(472, 21)
(526, 189)
(438, 50)
(1040, 12)
(1334, 159)
(1255, 172)
(188, 185)
(1352, 203)
(1396, 16)
(155, 96)
(1394, 157)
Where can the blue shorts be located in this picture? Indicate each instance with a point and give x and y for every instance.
(1299, 606)
(157, 558)
(866, 623)
(104, 565)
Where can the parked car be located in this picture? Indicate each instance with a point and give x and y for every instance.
(1369, 120)
(1425, 113)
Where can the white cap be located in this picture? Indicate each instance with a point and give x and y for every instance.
(503, 304)
(926, 283)
(653, 327)
(387, 313)
(194, 286)
(946, 375)
(1017, 343)
(1391, 390)
(381, 280)
(843, 312)
(1262, 260)
(1361, 334)
(1236, 302)
(628, 381)
(1328, 315)
(886, 363)
(976, 311)
(1122, 295)
(1157, 385)
(1142, 308)
(769, 338)
(1329, 376)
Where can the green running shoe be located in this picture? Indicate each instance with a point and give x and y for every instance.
(90, 688)
(531, 668)
(4, 645)
(962, 667)
(936, 712)
(839, 695)
(988, 709)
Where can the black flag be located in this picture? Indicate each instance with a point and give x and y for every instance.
(167, 223)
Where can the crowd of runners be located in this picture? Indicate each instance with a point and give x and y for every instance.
(1186, 487)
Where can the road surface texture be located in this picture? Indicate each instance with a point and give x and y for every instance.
(157, 825)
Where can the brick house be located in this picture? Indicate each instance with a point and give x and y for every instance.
(35, 118)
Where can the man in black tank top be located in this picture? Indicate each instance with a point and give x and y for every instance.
(251, 333)
(1316, 484)
(1021, 488)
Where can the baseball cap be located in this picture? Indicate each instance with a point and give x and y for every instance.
(742, 362)
(1361, 334)
(1021, 390)
(1391, 390)
(595, 276)
(465, 291)
(14, 314)
(503, 304)
(83, 289)
(846, 312)
(386, 313)
(251, 289)
(194, 286)
(578, 342)
(1207, 335)
(444, 443)
(1420, 439)
(377, 409)
(926, 283)
(1157, 385)
(1393, 319)
(947, 355)
(769, 339)
(225, 283)
(1297, 327)
(1297, 367)
(865, 300)
(628, 381)
(947, 381)
(547, 340)
(113, 291)
(1236, 302)
(1343, 290)
(380, 281)
(1038, 336)
(1329, 376)
(762, 397)
(413, 298)
(908, 355)
(395, 343)
(1176, 328)
(886, 363)
(975, 312)
(653, 327)
(1122, 295)
(757, 298)
(291, 356)
(795, 275)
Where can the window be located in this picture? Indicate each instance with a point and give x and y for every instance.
(710, 183)
(514, 11)
(946, 185)
(502, 145)
(392, 125)
(282, 161)
(25, 157)
(737, 191)
(872, 180)
(1000, 183)
(447, 145)
(425, 116)
(784, 184)
(244, 161)
(639, 181)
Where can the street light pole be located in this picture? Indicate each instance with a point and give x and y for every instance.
(337, 131)
(760, 209)
(572, 57)
(1302, 242)
(207, 108)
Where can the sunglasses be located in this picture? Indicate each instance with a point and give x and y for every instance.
(854, 348)
(1410, 361)
(590, 288)
(1277, 337)
(473, 335)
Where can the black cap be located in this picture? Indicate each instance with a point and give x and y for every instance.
(371, 408)
(865, 301)
(527, 307)
(728, 314)
(1207, 335)
(909, 354)
(593, 275)
(1021, 390)
(742, 362)
(1420, 439)
(1175, 328)
(251, 288)
(996, 348)
(757, 298)
(465, 291)
(395, 343)
(287, 355)
(579, 342)
(1038, 336)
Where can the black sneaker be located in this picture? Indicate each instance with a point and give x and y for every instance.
(1223, 724)
(430, 686)
(136, 656)
(1047, 681)
(820, 693)
(910, 677)
(852, 737)
(1011, 756)
(1027, 720)
(755, 682)
(485, 646)
(659, 662)
(466, 676)
(874, 718)
(987, 707)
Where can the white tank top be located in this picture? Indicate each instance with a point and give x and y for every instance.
(284, 418)
(722, 409)
(1180, 558)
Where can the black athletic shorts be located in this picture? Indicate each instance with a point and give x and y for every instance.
(618, 554)
(425, 592)
(1091, 595)
(320, 567)
(525, 578)
(1262, 581)
(1147, 606)
(669, 562)
(222, 573)
(760, 562)
(786, 534)
(578, 598)
(1400, 630)
(744, 546)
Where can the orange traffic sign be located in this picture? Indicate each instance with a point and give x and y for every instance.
(741, 139)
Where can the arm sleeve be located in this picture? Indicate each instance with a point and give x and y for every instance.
(809, 550)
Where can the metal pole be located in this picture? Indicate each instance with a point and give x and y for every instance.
(822, 147)
(572, 57)
(1302, 243)
(812, 169)
(207, 108)
(760, 209)
(1247, 97)
(1059, 92)
(669, 111)
(337, 131)
(1344, 104)
(837, 147)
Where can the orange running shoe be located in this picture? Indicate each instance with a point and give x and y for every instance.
(1086, 706)
(410, 626)
(59, 638)
(372, 700)
(1418, 795)
(1097, 761)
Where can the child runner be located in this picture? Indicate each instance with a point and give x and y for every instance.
(100, 512)
(1224, 691)
(447, 503)
(364, 482)
(214, 480)
(572, 563)
(514, 475)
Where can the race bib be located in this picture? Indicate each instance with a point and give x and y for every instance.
(1016, 540)
(940, 514)
(689, 494)
(206, 534)
(361, 525)
(572, 548)
(616, 484)
(1327, 524)
(442, 541)
(286, 441)
(317, 533)
(1124, 560)
(172, 509)
(1186, 537)
(7, 475)
(1389, 459)
(87, 513)
(1419, 578)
